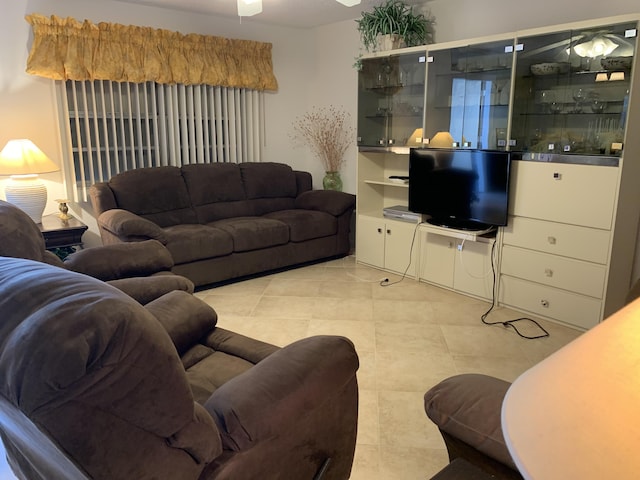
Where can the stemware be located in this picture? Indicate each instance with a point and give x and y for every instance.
(579, 96)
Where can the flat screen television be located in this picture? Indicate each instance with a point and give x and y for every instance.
(460, 188)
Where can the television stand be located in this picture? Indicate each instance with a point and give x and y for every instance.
(459, 224)
(471, 235)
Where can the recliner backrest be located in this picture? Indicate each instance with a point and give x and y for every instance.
(98, 373)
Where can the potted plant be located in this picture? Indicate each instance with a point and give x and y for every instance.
(394, 24)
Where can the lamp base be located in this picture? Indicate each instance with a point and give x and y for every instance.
(28, 193)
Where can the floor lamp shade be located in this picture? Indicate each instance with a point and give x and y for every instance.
(23, 161)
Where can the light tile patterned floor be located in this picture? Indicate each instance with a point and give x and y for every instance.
(409, 336)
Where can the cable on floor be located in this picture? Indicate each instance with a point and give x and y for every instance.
(509, 323)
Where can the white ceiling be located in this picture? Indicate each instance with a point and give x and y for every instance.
(291, 13)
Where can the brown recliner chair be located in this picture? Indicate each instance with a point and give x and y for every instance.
(125, 391)
(142, 270)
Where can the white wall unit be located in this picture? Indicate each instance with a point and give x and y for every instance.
(567, 252)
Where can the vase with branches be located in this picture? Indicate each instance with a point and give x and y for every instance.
(328, 132)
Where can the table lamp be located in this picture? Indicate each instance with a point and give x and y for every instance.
(23, 161)
(576, 414)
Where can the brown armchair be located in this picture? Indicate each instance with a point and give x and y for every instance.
(142, 270)
(121, 390)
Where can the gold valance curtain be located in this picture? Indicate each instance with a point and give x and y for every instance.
(66, 49)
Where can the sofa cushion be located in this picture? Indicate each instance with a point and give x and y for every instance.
(306, 224)
(268, 180)
(213, 182)
(253, 233)
(189, 243)
(158, 194)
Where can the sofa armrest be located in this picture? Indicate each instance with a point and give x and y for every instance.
(330, 201)
(185, 318)
(468, 407)
(128, 226)
(121, 260)
(285, 386)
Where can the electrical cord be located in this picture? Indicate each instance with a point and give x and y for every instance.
(385, 281)
(508, 323)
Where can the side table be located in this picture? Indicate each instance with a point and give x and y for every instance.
(60, 233)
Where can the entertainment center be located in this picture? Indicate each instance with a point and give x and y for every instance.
(560, 103)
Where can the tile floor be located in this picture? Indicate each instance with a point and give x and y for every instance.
(409, 336)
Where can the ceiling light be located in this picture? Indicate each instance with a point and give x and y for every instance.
(248, 8)
(599, 45)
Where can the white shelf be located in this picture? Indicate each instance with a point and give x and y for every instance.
(486, 236)
(387, 184)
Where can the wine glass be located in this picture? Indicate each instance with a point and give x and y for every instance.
(579, 96)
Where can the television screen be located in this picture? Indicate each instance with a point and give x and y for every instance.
(462, 189)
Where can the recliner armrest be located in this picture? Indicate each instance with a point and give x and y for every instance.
(330, 201)
(148, 289)
(468, 407)
(286, 385)
(185, 318)
(122, 260)
(128, 226)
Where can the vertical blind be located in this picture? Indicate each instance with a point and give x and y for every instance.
(112, 127)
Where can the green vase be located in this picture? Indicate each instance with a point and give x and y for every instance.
(332, 181)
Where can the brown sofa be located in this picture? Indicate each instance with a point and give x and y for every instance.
(141, 270)
(223, 221)
(125, 391)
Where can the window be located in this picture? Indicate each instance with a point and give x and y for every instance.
(111, 127)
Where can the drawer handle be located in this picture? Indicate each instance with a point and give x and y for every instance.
(388, 231)
(548, 272)
(544, 303)
(379, 230)
(557, 176)
(551, 240)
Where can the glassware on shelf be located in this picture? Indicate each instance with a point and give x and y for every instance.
(598, 106)
(579, 96)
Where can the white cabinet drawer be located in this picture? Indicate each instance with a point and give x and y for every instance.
(567, 307)
(559, 272)
(584, 243)
(576, 194)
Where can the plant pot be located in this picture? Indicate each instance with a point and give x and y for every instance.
(332, 181)
(389, 42)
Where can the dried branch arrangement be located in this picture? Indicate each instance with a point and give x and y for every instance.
(328, 132)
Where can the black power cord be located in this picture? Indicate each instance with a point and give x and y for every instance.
(508, 323)
(385, 282)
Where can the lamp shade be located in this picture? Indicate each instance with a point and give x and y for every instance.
(441, 140)
(22, 157)
(348, 3)
(24, 161)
